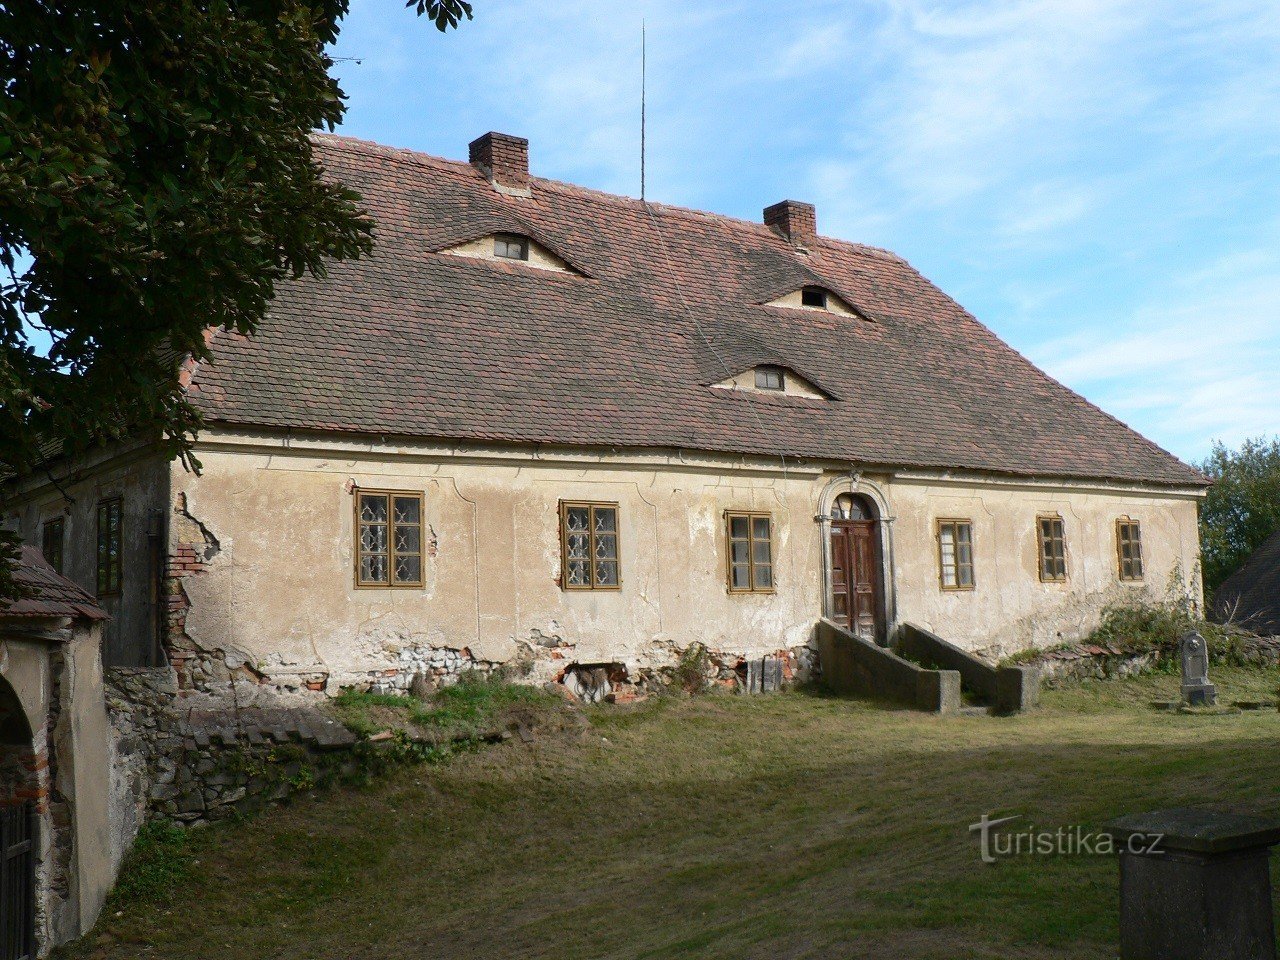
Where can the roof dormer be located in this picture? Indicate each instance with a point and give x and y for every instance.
(773, 378)
(511, 248)
(815, 297)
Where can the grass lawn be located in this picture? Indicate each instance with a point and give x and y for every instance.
(780, 826)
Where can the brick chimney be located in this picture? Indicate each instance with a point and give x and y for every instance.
(504, 159)
(796, 221)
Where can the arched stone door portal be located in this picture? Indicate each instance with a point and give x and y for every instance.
(857, 558)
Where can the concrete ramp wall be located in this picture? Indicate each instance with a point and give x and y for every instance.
(856, 666)
(1005, 689)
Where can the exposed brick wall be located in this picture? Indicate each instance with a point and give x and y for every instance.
(503, 158)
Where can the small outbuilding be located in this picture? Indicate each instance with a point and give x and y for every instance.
(1251, 595)
(55, 850)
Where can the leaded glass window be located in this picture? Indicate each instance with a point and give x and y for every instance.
(589, 544)
(750, 540)
(1129, 548)
(109, 564)
(955, 554)
(388, 539)
(1053, 549)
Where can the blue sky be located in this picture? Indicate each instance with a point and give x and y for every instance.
(1096, 180)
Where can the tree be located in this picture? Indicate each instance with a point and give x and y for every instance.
(1241, 509)
(156, 180)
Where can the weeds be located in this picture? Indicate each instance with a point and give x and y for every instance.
(471, 708)
(690, 672)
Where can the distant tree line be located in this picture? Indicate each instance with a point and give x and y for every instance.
(1241, 509)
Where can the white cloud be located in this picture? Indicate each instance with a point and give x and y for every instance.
(1197, 364)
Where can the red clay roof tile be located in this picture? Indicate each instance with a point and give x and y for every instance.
(411, 342)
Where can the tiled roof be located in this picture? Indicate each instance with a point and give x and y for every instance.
(1251, 595)
(415, 343)
(52, 595)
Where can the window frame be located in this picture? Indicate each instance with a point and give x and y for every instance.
(358, 554)
(729, 539)
(109, 586)
(1136, 558)
(764, 370)
(955, 523)
(591, 506)
(509, 239)
(1046, 576)
(60, 523)
(822, 295)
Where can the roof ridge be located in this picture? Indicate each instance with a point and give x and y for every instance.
(563, 186)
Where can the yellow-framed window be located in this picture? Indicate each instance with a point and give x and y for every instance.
(590, 557)
(955, 554)
(1051, 533)
(1129, 549)
(749, 540)
(388, 531)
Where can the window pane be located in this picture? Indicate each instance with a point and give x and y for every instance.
(373, 569)
(606, 546)
(576, 517)
(739, 551)
(760, 551)
(740, 576)
(408, 539)
(948, 575)
(738, 527)
(373, 508)
(578, 573)
(760, 528)
(764, 577)
(579, 546)
(373, 538)
(408, 569)
(408, 510)
(607, 573)
(606, 519)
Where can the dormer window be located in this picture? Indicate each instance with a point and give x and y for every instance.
(817, 299)
(510, 247)
(771, 378)
(813, 297)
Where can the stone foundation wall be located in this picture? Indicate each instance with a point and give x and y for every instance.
(193, 759)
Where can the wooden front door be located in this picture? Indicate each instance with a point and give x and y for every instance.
(855, 576)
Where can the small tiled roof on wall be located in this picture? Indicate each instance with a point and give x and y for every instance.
(51, 594)
(622, 350)
(1251, 595)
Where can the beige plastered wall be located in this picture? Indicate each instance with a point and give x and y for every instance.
(1010, 608)
(280, 589)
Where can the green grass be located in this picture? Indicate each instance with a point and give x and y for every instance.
(788, 826)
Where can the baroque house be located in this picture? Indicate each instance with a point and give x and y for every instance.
(553, 427)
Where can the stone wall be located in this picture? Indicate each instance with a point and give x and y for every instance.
(193, 759)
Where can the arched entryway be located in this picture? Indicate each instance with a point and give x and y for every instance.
(19, 792)
(857, 558)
